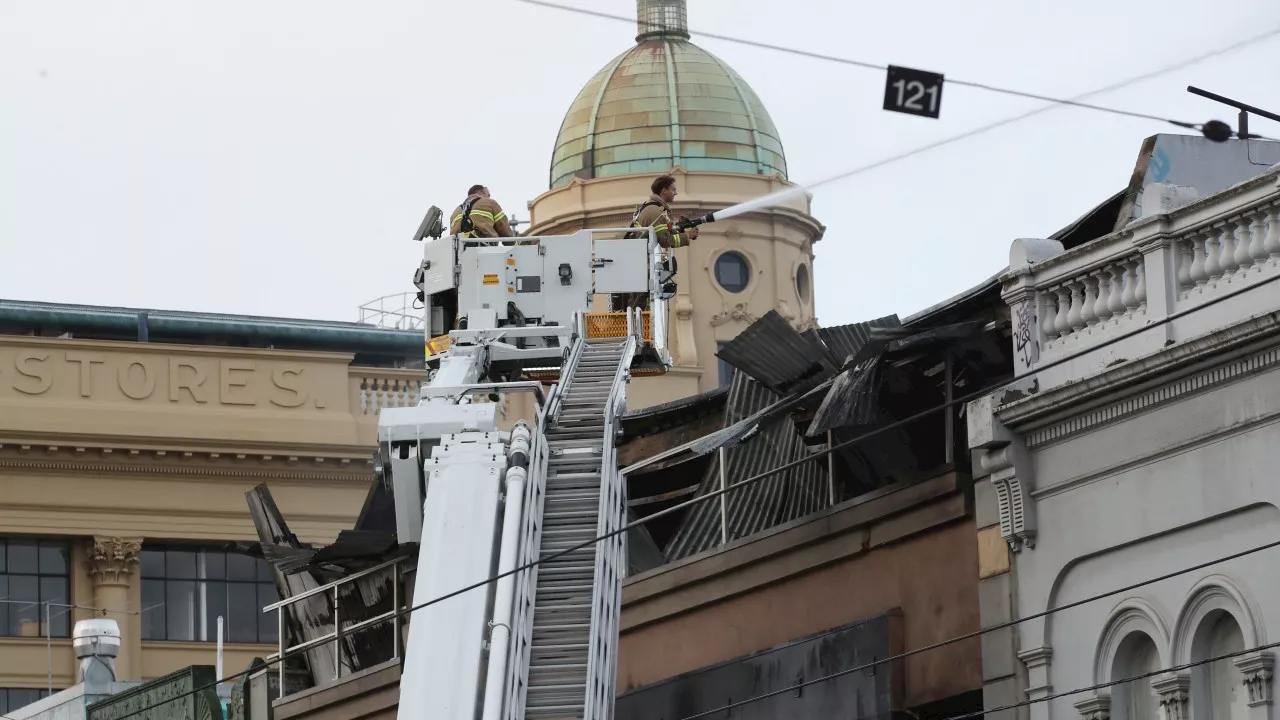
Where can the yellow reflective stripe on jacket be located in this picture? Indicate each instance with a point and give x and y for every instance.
(480, 213)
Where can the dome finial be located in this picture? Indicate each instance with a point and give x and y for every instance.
(661, 19)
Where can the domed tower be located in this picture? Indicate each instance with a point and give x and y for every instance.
(668, 106)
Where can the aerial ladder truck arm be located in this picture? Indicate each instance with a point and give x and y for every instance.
(478, 501)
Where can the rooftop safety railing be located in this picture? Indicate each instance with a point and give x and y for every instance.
(1177, 257)
(348, 620)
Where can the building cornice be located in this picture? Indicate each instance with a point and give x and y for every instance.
(1179, 371)
(175, 348)
(54, 456)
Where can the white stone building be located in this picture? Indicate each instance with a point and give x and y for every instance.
(1155, 449)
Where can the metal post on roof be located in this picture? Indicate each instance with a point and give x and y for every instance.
(1243, 130)
(831, 470)
(951, 415)
(724, 511)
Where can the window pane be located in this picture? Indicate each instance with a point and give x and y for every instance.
(242, 625)
(4, 606)
(53, 558)
(24, 615)
(152, 564)
(180, 609)
(215, 598)
(215, 565)
(22, 697)
(153, 611)
(180, 564)
(24, 557)
(240, 567)
(267, 622)
(4, 567)
(54, 590)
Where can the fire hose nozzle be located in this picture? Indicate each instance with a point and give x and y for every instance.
(685, 223)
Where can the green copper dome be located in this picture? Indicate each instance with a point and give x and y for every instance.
(665, 102)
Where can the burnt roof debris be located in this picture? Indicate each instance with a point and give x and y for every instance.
(777, 356)
(789, 390)
(780, 498)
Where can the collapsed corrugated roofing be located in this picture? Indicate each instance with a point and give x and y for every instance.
(777, 499)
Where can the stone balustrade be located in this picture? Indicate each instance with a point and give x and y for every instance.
(376, 388)
(1154, 273)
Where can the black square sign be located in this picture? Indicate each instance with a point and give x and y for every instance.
(914, 92)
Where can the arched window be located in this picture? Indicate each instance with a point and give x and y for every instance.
(802, 283)
(1216, 689)
(1134, 700)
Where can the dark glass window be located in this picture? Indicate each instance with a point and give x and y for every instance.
(12, 699)
(33, 572)
(185, 589)
(732, 271)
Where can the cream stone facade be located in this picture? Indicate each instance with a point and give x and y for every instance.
(777, 244)
(111, 448)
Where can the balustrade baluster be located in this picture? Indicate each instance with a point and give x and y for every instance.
(1240, 229)
(1198, 274)
(1087, 314)
(364, 396)
(1073, 315)
(1257, 249)
(1060, 322)
(1116, 302)
(1048, 311)
(1140, 293)
(1272, 240)
(1212, 268)
(1102, 307)
(1227, 256)
(1129, 298)
(1184, 264)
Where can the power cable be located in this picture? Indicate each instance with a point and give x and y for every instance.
(1074, 102)
(876, 663)
(1047, 698)
(783, 468)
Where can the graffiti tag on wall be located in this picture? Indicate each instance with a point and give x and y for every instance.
(1024, 333)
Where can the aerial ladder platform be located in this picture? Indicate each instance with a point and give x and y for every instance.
(506, 317)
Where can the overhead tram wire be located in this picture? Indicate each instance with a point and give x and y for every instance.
(867, 65)
(872, 433)
(873, 664)
(339, 633)
(1047, 698)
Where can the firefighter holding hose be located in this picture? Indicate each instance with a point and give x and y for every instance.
(671, 234)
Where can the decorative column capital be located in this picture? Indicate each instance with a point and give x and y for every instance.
(1258, 670)
(1097, 707)
(1173, 691)
(113, 559)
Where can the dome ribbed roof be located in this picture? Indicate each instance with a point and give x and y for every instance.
(666, 102)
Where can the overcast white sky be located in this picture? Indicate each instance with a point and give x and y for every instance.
(274, 157)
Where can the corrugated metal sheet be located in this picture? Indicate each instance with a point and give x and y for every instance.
(778, 357)
(845, 341)
(740, 430)
(766, 503)
(851, 401)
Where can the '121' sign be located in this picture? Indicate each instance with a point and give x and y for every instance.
(914, 92)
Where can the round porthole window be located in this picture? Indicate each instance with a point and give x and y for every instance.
(802, 283)
(732, 271)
